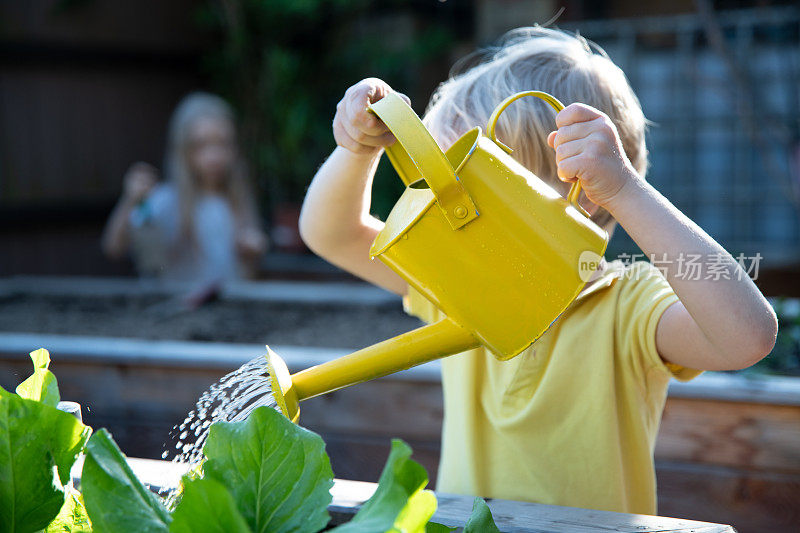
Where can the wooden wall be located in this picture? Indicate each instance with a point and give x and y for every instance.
(86, 89)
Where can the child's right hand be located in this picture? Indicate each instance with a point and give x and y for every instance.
(139, 180)
(356, 129)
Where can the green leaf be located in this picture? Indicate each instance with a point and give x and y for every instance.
(480, 521)
(433, 527)
(38, 446)
(277, 472)
(400, 502)
(207, 506)
(41, 386)
(117, 502)
(72, 518)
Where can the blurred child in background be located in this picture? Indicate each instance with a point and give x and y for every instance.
(200, 224)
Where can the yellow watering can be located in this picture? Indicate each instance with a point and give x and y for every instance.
(489, 243)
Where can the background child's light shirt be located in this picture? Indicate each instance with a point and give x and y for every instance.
(573, 419)
(160, 249)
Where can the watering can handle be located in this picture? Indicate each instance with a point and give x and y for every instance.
(416, 154)
(575, 190)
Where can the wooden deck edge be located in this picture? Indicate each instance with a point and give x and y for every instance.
(454, 510)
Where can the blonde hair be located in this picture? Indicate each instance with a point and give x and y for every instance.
(565, 65)
(236, 189)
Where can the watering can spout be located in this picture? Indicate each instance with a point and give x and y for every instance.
(393, 355)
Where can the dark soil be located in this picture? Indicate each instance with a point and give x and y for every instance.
(151, 317)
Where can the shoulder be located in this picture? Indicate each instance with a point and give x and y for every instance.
(632, 292)
(641, 284)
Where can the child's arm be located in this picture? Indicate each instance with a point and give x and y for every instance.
(335, 221)
(722, 324)
(138, 182)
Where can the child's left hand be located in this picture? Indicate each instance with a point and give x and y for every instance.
(588, 148)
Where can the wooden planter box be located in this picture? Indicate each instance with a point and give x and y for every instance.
(454, 510)
(728, 450)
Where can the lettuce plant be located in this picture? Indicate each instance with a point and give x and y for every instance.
(38, 446)
(264, 474)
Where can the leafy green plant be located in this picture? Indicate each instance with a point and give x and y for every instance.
(278, 473)
(115, 498)
(785, 357)
(264, 474)
(401, 502)
(38, 446)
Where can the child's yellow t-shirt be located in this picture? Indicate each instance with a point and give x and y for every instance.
(573, 419)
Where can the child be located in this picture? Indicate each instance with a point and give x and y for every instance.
(573, 419)
(200, 225)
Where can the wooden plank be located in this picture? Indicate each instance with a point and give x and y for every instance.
(387, 407)
(362, 458)
(748, 435)
(778, 390)
(510, 516)
(142, 25)
(751, 501)
(281, 291)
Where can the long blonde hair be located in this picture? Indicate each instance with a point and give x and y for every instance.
(565, 65)
(236, 189)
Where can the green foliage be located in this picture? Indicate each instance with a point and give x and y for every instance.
(277, 472)
(41, 386)
(433, 527)
(785, 357)
(285, 65)
(206, 505)
(481, 520)
(400, 502)
(116, 500)
(72, 518)
(38, 446)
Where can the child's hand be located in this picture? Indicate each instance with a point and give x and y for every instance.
(588, 148)
(139, 180)
(251, 242)
(354, 128)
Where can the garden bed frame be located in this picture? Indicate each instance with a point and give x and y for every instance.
(454, 510)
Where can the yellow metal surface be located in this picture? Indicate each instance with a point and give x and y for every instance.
(479, 235)
(512, 270)
(281, 383)
(415, 145)
(575, 190)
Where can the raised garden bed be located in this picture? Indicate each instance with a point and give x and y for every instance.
(727, 451)
(285, 313)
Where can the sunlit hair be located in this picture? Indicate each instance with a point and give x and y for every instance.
(563, 64)
(177, 169)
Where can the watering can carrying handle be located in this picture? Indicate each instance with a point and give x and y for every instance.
(575, 190)
(416, 155)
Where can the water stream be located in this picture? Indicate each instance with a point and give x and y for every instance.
(231, 399)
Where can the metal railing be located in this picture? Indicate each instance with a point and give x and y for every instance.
(723, 93)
